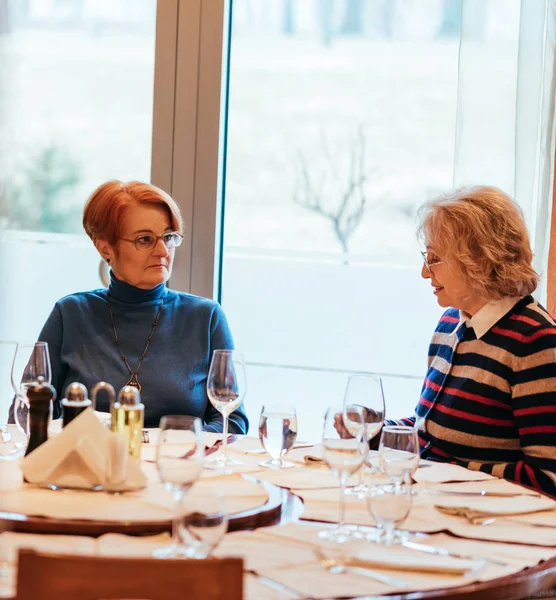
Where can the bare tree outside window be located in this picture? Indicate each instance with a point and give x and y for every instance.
(316, 185)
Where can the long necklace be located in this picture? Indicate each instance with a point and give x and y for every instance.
(134, 375)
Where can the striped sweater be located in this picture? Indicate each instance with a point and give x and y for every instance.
(489, 404)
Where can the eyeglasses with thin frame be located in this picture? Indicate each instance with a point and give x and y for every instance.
(148, 241)
(430, 264)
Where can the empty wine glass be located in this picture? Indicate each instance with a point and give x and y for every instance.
(277, 433)
(366, 391)
(179, 459)
(30, 362)
(389, 506)
(226, 386)
(398, 452)
(204, 523)
(343, 455)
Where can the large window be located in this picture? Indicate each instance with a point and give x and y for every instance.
(343, 117)
(76, 110)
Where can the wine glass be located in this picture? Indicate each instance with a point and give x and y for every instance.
(277, 433)
(366, 391)
(204, 523)
(398, 452)
(226, 385)
(389, 506)
(343, 455)
(179, 459)
(30, 362)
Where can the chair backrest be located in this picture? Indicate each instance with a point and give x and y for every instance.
(60, 577)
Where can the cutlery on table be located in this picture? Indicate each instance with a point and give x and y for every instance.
(477, 517)
(263, 451)
(443, 552)
(336, 566)
(482, 493)
(277, 585)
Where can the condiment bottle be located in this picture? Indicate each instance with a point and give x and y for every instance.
(75, 402)
(41, 395)
(127, 419)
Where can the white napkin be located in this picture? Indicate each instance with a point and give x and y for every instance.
(76, 458)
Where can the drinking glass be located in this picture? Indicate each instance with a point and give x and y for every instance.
(30, 362)
(366, 391)
(179, 459)
(204, 523)
(277, 432)
(398, 452)
(343, 455)
(226, 385)
(389, 506)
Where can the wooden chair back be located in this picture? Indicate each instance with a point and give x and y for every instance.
(60, 577)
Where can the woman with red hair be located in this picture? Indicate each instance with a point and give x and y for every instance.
(138, 331)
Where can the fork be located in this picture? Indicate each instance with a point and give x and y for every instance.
(476, 517)
(335, 566)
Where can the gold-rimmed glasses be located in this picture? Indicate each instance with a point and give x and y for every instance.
(148, 241)
(430, 264)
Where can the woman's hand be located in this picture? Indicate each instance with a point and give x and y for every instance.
(370, 417)
(340, 427)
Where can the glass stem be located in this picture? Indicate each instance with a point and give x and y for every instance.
(224, 437)
(388, 532)
(176, 522)
(342, 518)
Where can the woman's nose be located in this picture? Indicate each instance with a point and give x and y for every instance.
(425, 273)
(160, 248)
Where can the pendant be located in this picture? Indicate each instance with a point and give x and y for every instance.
(134, 382)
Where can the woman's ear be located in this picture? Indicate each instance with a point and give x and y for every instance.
(104, 249)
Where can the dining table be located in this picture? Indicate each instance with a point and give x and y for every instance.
(468, 535)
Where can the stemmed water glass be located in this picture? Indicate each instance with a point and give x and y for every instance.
(390, 506)
(204, 523)
(226, 386)
(179, 459)
(277, 433)
(398, 453)
(343, 455)
(30, 362)
(366, 391)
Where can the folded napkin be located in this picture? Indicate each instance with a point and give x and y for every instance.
(77, 457)
(403, 559)
(487, 505)
(444, 472)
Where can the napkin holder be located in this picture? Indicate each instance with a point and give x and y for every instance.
(77, 458)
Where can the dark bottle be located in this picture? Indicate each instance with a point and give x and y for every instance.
(75, 402)
(41, 395)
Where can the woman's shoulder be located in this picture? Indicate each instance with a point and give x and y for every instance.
(448, 321)
(190, 302)
(82, 299)
(529, 320)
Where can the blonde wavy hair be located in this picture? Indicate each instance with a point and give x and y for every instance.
(481, 231)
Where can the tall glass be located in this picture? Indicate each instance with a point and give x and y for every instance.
(179, 459)
(226, 386)
(204, 523)
(366, 391)
(343, 455)
(31, 361)
(398, 452)
(390, 506)
(277, 433)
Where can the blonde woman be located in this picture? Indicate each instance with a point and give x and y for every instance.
(488, 402)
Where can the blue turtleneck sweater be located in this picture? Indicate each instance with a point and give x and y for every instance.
(174, 371)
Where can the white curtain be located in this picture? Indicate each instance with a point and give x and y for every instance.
(505, 127)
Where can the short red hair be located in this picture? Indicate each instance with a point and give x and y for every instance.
(102, 216)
